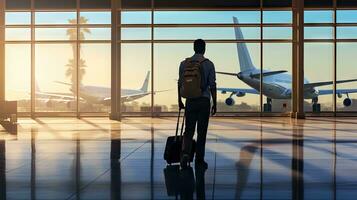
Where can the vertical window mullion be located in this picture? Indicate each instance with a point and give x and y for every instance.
(33, 74)
(335, 57)
(77, 58)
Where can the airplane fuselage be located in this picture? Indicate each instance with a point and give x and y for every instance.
(274, 86)
(104, 92)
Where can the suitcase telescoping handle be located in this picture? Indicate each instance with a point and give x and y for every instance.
(178, 122)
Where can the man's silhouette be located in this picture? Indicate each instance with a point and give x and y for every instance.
(198, 109)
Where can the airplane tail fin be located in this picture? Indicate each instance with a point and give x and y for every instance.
(245, 61)
(145, 86)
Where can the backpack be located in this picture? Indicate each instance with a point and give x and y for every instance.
(191, 86)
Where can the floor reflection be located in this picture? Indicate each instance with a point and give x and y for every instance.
(184, 183)
(101, 159)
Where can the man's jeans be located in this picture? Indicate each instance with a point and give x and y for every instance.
(197, 112)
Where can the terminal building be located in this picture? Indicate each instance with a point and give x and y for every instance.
(88, 98)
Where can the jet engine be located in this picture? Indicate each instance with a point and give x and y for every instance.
(49, 104)
(347, 102)
(240, 94)
(71, 104)
(230, 101)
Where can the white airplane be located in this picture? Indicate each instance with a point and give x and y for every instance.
(93, 94)
(276, 84)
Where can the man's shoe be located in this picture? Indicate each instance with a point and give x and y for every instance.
(201, 164)
(184, 161)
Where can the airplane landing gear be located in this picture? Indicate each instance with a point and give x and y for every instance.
(316, 107)
(268, 106)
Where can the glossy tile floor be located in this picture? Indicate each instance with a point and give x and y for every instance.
(249, 158)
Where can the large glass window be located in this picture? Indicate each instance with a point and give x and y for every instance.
(232, 96)
(318, 61)
(18, 75)
(346, 92)
(277, 89)
(56, 77)
(318, 68)
(166, 73)
(136, 77)
(94, 78)
(56, 62)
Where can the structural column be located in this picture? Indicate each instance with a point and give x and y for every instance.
(298, 60)
(2, 50)
(115, 63)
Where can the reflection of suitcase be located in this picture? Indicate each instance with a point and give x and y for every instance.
(172, 173)
(174, 145)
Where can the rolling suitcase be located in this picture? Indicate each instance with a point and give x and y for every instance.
(173, 147)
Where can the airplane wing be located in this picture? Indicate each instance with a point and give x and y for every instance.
(257, 75)
(238, 90)
(227, 73)
(339, 91)
(132, 97)
(55, 96)
(317, 84)
(268, 73)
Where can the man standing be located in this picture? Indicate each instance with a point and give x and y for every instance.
(197, 83)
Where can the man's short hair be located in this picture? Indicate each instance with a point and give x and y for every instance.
(199, 46)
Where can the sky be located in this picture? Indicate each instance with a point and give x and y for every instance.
(51, 59)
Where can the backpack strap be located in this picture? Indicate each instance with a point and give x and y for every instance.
(202, 60)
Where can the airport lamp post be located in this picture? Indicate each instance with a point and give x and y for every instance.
(298, 60)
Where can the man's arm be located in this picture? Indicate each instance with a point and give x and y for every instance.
(179, 82)
(213, 88)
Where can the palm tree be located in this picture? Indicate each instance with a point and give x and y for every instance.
(71, 71)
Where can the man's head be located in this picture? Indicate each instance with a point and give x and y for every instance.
(199, 46)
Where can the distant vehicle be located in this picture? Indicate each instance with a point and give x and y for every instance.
(93, 94)
(276, 84)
